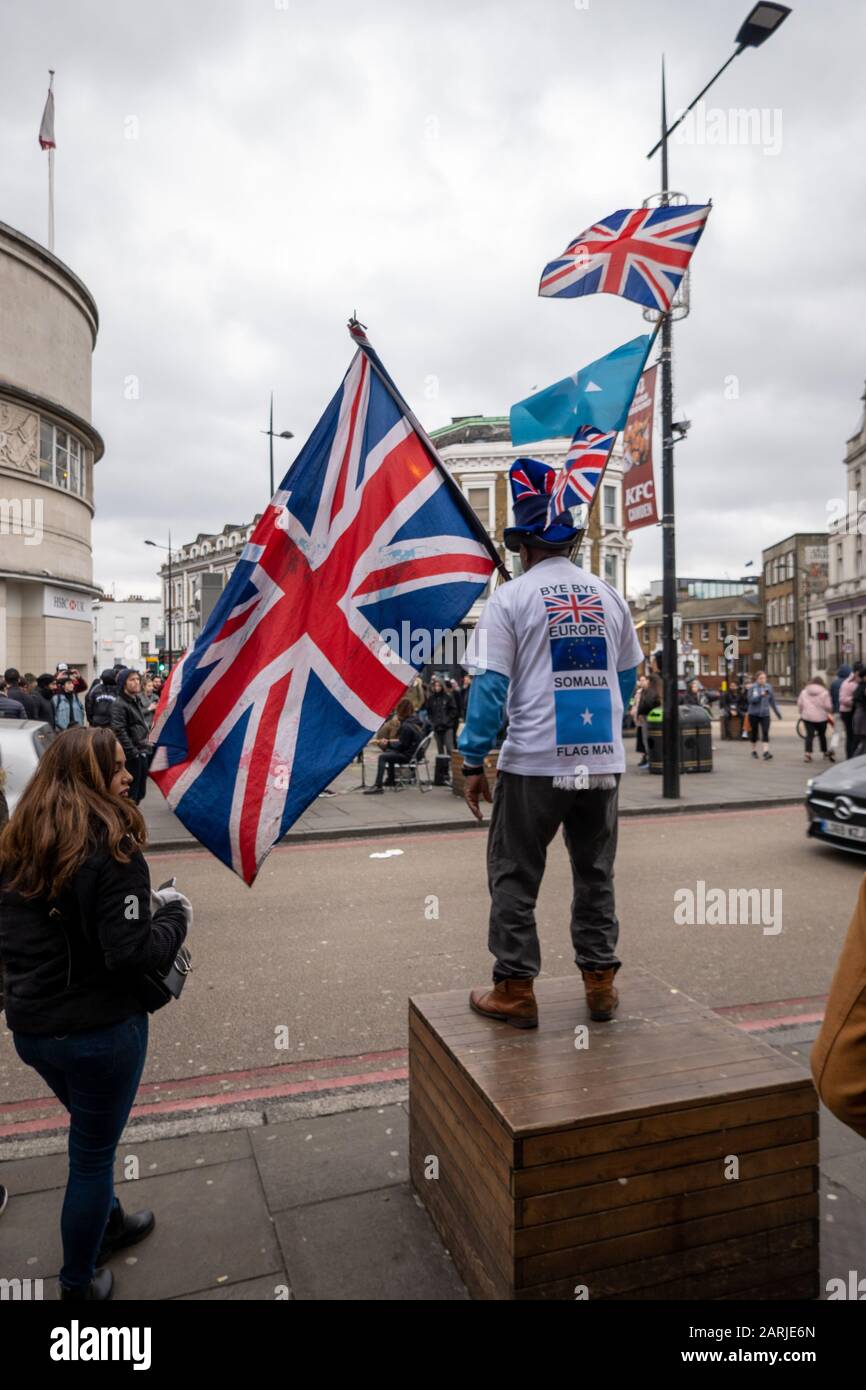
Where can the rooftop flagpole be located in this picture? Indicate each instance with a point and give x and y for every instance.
(47, 142)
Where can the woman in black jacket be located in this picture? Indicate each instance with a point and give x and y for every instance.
(443, 714)
(76, 937)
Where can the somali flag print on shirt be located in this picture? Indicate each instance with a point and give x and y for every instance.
(583, 716)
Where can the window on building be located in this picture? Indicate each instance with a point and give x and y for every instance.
(609, 498)
(687, 632)
(62, 461)
(790, 608)
(479, 499)
(705, 665)
(742, 627)
(145, 648)
(723, 631)
(610, 570)
(705, 632)
(145, 624)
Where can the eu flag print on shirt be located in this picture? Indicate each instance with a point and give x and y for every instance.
(578, 648)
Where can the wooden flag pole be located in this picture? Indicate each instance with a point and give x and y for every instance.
(359, 336)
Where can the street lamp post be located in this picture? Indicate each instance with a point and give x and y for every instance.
(169, 633)
(283, 434)
(759, 24)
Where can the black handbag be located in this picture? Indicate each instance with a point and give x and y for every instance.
(157, 990)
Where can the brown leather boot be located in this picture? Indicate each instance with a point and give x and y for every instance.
(601, 994)
(509, 1001)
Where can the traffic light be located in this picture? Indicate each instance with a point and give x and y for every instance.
(161, 668)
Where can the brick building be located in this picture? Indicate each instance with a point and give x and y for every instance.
(720, 633)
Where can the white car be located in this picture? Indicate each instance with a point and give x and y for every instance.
(22, 743)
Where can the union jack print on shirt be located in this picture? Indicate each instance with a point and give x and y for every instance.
(638, 253)
(290, 677)
(580, 606)
(579, 476)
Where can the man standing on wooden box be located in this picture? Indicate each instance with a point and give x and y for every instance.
(555, 652)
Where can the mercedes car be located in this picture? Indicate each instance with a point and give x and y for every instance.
(836, 805)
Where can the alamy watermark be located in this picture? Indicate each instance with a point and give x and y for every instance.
(418, 646)
(22, 516)
(717, 125)
(718, 907)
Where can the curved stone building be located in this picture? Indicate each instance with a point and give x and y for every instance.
(48, 327)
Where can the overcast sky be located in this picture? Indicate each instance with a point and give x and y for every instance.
(234, 177)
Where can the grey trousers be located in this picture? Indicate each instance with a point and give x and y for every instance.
(527, 812)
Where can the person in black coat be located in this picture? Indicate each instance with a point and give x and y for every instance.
(10, 709)
(399, 749)
(16, 691)
(42, 698)
(131, 728)
(443, 714)
(99, 699)
(79, 929)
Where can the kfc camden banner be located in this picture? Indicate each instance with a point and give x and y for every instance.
(637, 456)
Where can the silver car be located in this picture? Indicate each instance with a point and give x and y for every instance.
(22, 743)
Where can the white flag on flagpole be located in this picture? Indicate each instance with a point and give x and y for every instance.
(46, 130)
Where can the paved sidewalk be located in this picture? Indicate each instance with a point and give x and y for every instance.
(736, 780)
(318, 1208)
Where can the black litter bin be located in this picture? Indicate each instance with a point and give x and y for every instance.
(696, 740)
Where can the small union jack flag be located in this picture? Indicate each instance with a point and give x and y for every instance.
(530, 478)
(580, 606)
(638, 253)
(292, 675)
(579, 476)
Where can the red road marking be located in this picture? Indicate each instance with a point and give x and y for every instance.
(165, 1107)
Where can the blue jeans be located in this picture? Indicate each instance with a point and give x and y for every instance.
(95, 1074)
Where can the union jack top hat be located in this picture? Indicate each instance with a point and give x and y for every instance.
(531, 485)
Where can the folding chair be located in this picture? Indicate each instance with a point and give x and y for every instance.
(417, 771)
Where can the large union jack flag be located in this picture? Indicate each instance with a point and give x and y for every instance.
(579, 477)
(638, 253)
(291, 674)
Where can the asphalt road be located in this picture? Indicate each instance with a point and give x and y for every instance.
(333, 938)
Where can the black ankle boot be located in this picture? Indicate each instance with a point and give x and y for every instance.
(123, 1230)
(99, 1289)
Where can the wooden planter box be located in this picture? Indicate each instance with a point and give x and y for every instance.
(490, 763)
(607, 1172)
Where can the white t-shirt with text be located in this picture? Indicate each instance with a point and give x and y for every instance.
(561, 635)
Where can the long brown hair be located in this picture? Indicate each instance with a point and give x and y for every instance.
(65, 810)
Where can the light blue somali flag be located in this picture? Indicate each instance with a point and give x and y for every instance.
(599, 394)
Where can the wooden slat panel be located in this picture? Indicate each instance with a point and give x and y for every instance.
(425, 1073)
(475, 1263)
(539, 1269)
(756, 1279)
(650, 1273)
(466, 1157)
(655, 1183)
(664, 1153)
(470, 1094)
(664, 1124)
(663, 1211)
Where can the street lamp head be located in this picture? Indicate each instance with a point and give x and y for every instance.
(150, 542)
(762, 21)
(286, 434)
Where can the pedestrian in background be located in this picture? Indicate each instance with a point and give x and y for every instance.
(68, 709)
(16, 689)
(729, 710)
(815, 705)
(99, 699)
(43, 696)
(858, 708)
(441, 710)
(10, 709)
(399, 749)
(846, 706)
(762, 699)
(841, 675)
(650, 698)
(77, 931)
(149, 700)
(130, 726)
